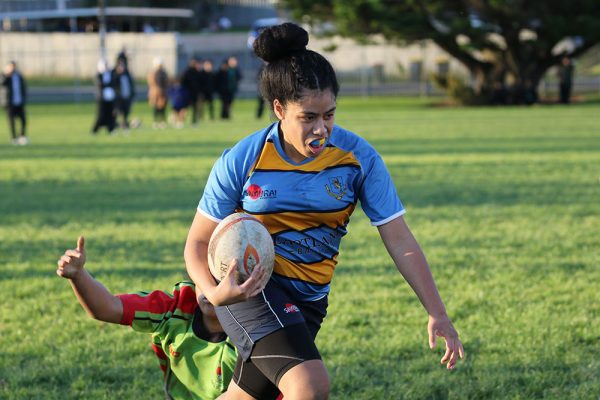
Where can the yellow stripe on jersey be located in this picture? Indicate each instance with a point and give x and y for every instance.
(319, 273)
(330, 157)
(300, 221)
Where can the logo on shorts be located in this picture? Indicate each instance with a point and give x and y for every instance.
(290, 308)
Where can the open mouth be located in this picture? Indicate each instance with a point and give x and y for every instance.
(317, 145)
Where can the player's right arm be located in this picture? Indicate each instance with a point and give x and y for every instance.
(196, 262)
(99, 303)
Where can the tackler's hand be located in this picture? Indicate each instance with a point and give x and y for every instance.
(72, 262)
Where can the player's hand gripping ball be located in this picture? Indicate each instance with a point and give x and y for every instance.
(245, 238)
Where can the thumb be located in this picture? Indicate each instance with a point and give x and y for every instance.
(432, 339)
(80, 244)
(232, 271)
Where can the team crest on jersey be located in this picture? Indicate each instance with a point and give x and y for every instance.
(336, 187)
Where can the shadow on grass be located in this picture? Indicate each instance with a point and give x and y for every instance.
(119, 150)
(175, 200)
(211, 149)
(483, 146)
(160, 271)
(127, 258)
(117, 201)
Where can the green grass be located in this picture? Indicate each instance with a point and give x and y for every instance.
(504, 201)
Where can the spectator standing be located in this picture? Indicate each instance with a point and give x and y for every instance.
(221, 87)
(207, 88)
(105, 99)
(125, 90)
(228, 79)
(191, 80)
(16, 96)
(122, 57)
(565, 79)
(179, 97)
(158, 85)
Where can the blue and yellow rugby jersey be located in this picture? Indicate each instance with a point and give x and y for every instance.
(305, 206)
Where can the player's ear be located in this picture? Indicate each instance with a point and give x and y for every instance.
(278, 109)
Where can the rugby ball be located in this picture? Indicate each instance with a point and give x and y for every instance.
(245, 238)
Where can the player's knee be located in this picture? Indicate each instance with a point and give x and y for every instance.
(320, 390)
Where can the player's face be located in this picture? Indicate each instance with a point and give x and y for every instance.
(306, 124)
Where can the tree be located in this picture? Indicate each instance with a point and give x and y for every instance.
(493, 39)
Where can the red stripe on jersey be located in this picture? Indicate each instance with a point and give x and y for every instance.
(160, 353)
(158, 302)
(163, 360)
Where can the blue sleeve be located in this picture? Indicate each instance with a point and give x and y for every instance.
(377, 194)
(223, 189)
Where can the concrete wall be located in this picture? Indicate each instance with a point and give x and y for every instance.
(77, 54)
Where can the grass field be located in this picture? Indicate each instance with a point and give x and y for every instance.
(504, 201)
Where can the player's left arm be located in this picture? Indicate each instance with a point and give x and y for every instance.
(410, 261)
(93, 296)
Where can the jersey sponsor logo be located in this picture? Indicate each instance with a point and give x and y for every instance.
(290, 308)
(321, 244)
(173, 352)
(255, 192)
(336, 187)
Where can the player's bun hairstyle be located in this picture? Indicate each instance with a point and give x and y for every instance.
(291, 68)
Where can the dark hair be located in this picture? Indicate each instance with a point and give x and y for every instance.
(291, 68)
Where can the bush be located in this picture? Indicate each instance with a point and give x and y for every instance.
(457, 90)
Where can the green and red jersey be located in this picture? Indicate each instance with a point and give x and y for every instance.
(193, 368)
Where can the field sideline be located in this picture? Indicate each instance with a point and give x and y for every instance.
(504, 201)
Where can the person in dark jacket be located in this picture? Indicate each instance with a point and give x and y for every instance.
(207, 88)
(565, 79)
(190, 80)
(16, 96)
(125, 92)
(228, 79)
(105, 98)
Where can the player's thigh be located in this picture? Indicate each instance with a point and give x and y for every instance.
(289, 352)
(307, 380)
(248, 378)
